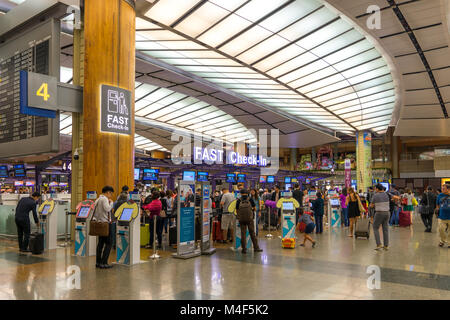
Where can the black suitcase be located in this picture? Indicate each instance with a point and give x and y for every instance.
(172, 235)
(273, 219)
(37, 243)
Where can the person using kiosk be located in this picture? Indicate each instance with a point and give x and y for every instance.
(102, 213)
(245, 208)
(22, 218)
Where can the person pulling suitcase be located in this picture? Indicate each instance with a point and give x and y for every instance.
(380, 202)
(22, 218)
(245, 208)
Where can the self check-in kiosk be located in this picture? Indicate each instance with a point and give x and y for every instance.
(128, 234)
(85, 245)
(288, 206)
(334, 208)
(48, 224)
(205, 211)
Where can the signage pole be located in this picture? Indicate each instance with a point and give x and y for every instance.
(269, 235)
(155, 254)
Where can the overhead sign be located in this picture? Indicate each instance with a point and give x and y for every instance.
(115, 110)
(217, 156)
(42, 91)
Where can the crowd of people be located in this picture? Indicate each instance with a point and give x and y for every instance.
(384, 209)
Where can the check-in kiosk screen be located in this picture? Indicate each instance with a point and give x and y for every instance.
(334, 202)
(288, 206)
(4, 172)
(287, 179)
(262, 179)
(45, 210)
(241, 178)
(84, 212)
(270, 179)
(189, 175)
(202, 176)
(150, 174)
(231, 178)
(137, 173)
(19, 170)
(126, 214)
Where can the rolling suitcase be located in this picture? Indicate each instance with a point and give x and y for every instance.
(172, 235)
(362, 228)
(217, 231)
(145, 235)
(404, 219)
(37, 243)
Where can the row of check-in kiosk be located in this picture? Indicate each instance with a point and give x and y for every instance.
(128, 225)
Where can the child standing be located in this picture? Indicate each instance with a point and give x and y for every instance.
(308, 220)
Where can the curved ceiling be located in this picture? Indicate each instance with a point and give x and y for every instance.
(299, 57)
(416, 35)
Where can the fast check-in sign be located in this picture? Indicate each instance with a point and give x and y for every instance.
(115, 109)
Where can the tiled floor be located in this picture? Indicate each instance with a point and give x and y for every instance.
(414, 268)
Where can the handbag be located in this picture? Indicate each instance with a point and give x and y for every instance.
(97, 228)
(414, 202)
(360, 206)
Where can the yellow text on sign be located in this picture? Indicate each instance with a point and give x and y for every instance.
(43, 91)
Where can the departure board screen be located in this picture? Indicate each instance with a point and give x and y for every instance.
(15, 126)
(35, 50)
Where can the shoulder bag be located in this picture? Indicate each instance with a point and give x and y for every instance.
(97, 228)
(360, 206)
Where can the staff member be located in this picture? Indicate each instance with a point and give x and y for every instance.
(23, 209)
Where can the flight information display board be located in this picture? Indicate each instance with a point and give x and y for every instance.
(36, 51)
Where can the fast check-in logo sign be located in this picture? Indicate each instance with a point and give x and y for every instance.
(116, 109)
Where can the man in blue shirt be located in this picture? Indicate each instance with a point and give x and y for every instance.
(443, 203)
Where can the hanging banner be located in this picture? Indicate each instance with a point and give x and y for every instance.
(348, 173)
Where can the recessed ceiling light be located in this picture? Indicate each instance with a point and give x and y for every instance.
(17, 1)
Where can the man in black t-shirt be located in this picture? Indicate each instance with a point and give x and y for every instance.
(23, 209)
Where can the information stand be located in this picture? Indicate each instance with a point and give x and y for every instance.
(128, 234)
(85, 245)
(49, 224)
(205, 210)
(186, 248)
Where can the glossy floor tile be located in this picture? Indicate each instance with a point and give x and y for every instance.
(414, 268)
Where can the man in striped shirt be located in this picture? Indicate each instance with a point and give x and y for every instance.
(380, 202)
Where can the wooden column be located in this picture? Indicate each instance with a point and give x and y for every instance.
(109, 32)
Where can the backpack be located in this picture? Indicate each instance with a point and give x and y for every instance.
(245, 212)
(444, 203)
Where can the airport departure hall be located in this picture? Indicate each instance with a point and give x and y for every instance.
(265, 150)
